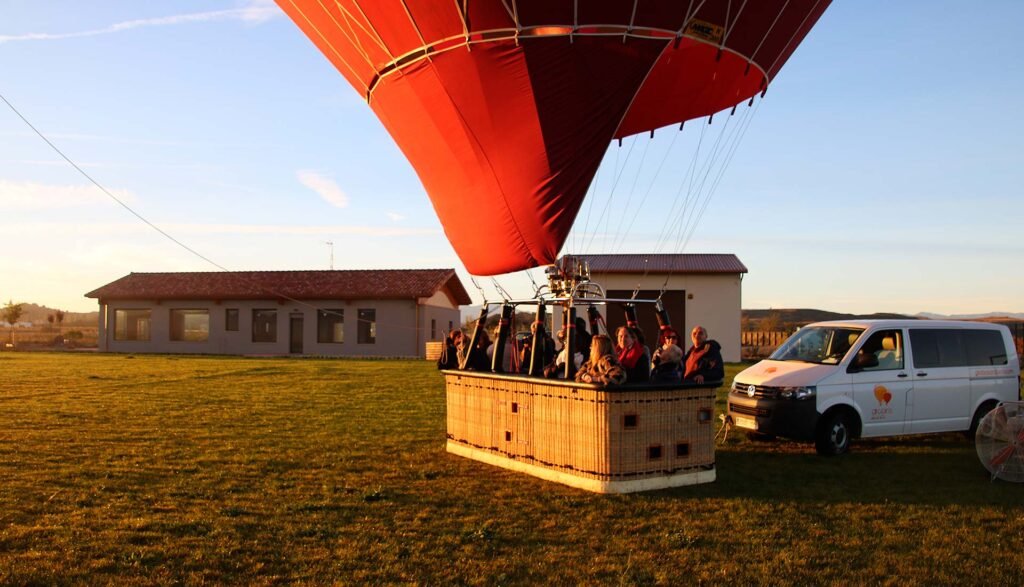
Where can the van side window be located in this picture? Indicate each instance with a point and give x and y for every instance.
(984, 347)
(940, 347)
(887, 347)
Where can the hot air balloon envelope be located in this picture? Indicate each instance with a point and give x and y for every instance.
(506, 107)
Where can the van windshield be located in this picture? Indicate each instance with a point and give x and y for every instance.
(818, 344)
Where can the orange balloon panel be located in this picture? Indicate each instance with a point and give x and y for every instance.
(505, 108)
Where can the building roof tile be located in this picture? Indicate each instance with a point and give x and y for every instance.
(655, 264)
(299, 285)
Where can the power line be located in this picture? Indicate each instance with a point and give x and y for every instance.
(167, 235)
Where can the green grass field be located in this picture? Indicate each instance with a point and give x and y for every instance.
(162, 469)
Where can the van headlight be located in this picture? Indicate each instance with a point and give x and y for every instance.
(798, 393)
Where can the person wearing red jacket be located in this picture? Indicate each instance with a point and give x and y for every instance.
(703, 361)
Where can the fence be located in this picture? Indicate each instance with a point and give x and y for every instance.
(758, 344)
(1017, 330)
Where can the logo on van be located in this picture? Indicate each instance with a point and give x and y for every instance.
(751, 390)
(882, 395)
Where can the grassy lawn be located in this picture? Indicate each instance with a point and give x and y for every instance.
(160, 469)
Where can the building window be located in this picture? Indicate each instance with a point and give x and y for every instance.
(231, 319)
(190, 325)
(330, 326)
(264, 325)
(131, 324)
(367, 327)
(433, 329)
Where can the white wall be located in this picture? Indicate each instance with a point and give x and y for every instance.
(402, 327)
(715, 304)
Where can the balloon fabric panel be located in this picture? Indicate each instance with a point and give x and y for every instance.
(505, 109)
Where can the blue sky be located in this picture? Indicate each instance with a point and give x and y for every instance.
(882, 172)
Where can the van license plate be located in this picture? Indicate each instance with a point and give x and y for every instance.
(748, 423)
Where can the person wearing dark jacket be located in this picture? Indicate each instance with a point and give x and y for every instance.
(449, 358)
(703, 361)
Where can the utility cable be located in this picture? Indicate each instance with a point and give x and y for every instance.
(167, 235)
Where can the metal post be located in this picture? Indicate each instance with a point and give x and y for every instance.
(570, 344)
(539, 343)
(477, 329)
(595, 320)
(498, 360)
(662, 314)
(631, 315)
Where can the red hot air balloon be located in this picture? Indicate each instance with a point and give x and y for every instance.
(505, 107)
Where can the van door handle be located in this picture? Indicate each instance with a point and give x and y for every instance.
(901, 374)
(922, 374)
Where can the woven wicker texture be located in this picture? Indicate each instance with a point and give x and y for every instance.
(609, 435)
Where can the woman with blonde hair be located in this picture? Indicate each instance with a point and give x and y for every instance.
(603, 367)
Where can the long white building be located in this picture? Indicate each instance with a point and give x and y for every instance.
(381, 313)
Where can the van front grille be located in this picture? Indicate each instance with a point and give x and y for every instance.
(750, 410)
(761, 391)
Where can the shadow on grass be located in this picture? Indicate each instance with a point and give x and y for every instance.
(929, 472)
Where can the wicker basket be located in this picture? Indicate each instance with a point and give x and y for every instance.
(432, 350)
(614, 440)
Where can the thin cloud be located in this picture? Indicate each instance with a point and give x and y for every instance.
(254, 12)
(324, 186)
(136, 228)
(395, 216)
(28, 195)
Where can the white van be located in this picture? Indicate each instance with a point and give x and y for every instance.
(833, 381)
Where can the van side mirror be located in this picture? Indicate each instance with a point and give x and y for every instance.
(862, 361)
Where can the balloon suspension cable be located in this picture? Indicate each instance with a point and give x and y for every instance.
(476, 284)
(501, 291)
(536, 288)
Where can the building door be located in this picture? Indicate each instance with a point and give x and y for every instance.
(295, 339)
(674, 301)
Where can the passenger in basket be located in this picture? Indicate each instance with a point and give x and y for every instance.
(449, 358)
(556, 369)
(547, 350)
(704, 359)
(478, 360)
(582, 337)
(633, 356)
(509, 351)
(667, 362)
(603, 367)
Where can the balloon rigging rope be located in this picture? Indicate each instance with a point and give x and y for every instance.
(678, 200)
(693, 197)
(738, 136)
(744, 126)
(699, 206)
(611, 194)
(576, 236)
(629, 199)
(272, 292)
(647, 193)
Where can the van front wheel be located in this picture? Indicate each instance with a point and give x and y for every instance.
(833, 436)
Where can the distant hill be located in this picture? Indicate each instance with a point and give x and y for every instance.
(989, 316)
(37, 315)
(792, 317)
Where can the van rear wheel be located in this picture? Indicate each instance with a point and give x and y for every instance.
(833, 437)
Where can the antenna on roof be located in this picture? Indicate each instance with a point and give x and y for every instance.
(331, 244)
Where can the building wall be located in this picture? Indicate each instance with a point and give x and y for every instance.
(402, 327)
(715, 304)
